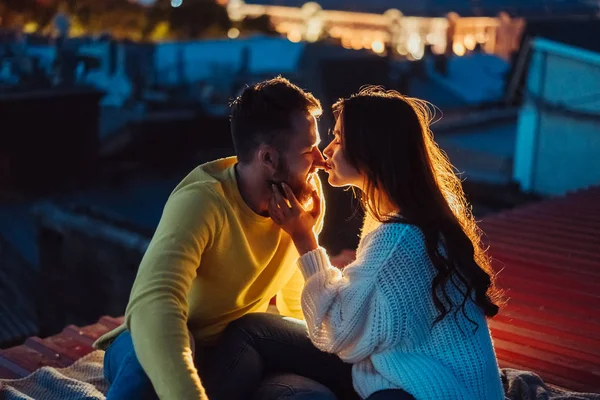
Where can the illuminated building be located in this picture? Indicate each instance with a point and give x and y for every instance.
(404, 35)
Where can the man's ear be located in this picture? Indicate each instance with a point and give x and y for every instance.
(268, 157)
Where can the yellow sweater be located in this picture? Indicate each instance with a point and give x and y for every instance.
(211, 260)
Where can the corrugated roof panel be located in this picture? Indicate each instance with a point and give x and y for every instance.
(57, 351)
(549, 257)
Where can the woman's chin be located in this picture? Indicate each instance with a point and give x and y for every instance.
(333, 181)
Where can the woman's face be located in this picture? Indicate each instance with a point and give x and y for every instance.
(340, 171)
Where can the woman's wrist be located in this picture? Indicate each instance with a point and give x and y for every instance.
(305, 243)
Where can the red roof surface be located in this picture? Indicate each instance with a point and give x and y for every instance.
(549, 254)
(56, 351)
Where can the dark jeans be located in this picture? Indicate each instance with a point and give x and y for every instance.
(260, 356)
(271, 344)
(391, 394)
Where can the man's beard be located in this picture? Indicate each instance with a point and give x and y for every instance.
(300, 187)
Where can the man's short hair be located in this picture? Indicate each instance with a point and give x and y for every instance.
(263, 114)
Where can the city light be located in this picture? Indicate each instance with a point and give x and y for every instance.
(415, 46)
(378, 46)
(233, 33)
(294, 36)
(409, 36)
(470, 42)
(30, 27)
(458, 48)
(346, 42)
(235, 10)
(335, 32)
(439, 48)
(314, 28)
(418, 54)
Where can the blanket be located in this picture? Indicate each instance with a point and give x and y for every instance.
(84, 380)
(526, 385)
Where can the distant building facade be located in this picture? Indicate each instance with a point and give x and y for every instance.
(390, 31)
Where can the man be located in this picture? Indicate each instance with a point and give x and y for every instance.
(216, 257)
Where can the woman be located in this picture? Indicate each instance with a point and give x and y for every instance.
(410, 312)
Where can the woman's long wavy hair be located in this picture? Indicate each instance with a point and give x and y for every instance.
(386, 136)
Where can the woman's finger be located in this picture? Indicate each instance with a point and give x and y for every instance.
(295, 204)
(316, 210)
(277, 195)
(274, 210)
(281, 203)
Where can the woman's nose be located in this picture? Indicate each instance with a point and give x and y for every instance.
(327, 151)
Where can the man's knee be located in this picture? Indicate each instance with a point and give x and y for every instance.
(253, 319)
(124, 372)
(116, 354)
(252, 322)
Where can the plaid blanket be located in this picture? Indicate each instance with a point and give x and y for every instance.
(85, 380)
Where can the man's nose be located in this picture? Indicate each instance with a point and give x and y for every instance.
(319, 161)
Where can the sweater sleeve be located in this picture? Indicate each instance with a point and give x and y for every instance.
(157, 311)
(288, 299)
(347, 312)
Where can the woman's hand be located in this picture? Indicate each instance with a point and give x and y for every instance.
(294, 219)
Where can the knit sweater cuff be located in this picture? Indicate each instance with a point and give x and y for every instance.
(312, 262)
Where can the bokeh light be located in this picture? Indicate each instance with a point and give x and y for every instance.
(233, 33)
(458, 48)
(378, 46)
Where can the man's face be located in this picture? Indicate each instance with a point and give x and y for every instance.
(302, 158)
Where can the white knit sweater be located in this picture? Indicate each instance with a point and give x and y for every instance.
(378, 315)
